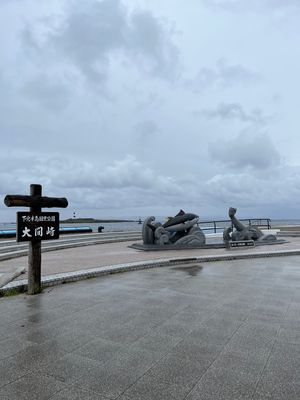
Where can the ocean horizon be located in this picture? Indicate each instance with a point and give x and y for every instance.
(135, 226)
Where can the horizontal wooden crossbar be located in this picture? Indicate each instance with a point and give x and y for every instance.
(16, 200)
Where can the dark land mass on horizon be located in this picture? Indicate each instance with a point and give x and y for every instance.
(93, 220)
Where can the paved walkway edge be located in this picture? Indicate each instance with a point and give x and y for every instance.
(22, 253)
(58, 279)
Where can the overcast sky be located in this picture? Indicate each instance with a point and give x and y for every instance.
(143, 107)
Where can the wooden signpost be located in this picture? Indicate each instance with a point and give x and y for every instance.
(35, 226)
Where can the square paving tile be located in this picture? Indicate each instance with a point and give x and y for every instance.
(157, 342)
(11, 346)
(173, 369)
(11, 369)
(150, 388)
(33, 386)
(70, 368)
(272, 389)
(101, 350)
(219, 383)
(106, 382)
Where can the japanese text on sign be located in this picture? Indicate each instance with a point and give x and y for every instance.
(38, 218)
(37, 226)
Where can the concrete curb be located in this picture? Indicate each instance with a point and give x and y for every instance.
(22, 253)
(53, 280)
(8, 277)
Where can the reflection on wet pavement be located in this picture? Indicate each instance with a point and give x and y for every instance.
(191, 270)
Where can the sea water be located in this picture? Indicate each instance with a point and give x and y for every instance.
(108, 227)
(135, 226)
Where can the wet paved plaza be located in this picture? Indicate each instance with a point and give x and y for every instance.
(224, 330)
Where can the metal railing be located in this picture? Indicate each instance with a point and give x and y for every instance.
(220, 225)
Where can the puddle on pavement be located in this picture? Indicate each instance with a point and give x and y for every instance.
(191, 270)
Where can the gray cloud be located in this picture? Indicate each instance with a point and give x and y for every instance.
(248, 150)
(96, 32)
(151, 100)
(145, 131)
(223, 75)
(234, 111)
(125, 173)
(152, 47)
(129, 184)
(69, 173)
(122, 184)
(269, 193)
(256, 5)
(52, 93)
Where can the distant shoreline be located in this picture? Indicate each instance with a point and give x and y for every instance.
(93, 221)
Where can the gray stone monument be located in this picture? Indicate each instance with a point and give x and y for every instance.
(179, 231)
(183, 232)
(243, 232)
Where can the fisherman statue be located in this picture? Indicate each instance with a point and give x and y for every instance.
(243, 232)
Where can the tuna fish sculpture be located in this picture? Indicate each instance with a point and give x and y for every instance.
(180, 231)
(243, 232)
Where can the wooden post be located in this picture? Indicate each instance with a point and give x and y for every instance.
(29, 230)
(34, 254)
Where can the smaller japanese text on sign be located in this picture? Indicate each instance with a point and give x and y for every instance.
(37, 226)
